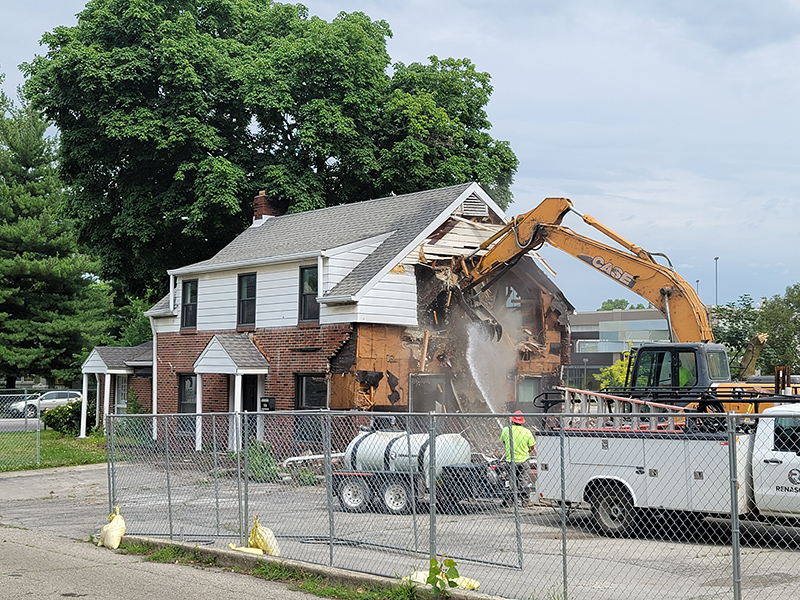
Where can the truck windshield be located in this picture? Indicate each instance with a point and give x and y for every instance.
(718, 368)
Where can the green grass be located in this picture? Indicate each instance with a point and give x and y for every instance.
(275, 571)
(18, 450)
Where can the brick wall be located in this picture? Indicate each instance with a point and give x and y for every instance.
(305, 349)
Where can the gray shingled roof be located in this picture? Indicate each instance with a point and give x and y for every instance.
(403, 217)
(115, 357)
(242, 351)
(160, 308)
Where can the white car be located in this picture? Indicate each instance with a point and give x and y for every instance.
(29, 407)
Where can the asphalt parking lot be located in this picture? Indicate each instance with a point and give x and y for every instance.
(46, 519)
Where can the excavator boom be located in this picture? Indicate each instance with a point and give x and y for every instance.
(633, 267)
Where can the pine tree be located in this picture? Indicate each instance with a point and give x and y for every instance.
(50, 307)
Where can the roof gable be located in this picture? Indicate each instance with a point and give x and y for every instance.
(232, 354)
(104, 359)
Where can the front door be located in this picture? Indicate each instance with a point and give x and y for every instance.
(249, 393)
(121, 395)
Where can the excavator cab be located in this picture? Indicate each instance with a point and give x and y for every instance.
(672, 370)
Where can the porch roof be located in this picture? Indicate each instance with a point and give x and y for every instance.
(232, 354)
(118, 359)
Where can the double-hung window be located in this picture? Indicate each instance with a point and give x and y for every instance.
(189, 304)
(247, 299)
(309, 307)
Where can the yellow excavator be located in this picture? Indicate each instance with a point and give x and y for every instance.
(690, 368)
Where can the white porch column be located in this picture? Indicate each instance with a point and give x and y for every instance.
(237, 408)
(237, 394)
(106, 396)
(84, 401)
(97, 401)
(198, 425)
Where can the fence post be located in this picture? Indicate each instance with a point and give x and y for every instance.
(733, 468)
(110, 466)
(562, 443)
(169, 483)
(38, 433)
(326, 449)
(432, 480)
(216, 465)
(237, 441)
(246, 441)
(515, 496)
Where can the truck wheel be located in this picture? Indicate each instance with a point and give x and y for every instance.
(396, 498)
(612, 510)
(354, 495)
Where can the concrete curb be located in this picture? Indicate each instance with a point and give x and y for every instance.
(226, 558)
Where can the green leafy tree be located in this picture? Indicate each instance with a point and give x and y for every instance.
(734, 324)
(51, 309)
(173, 112)
(780, 318)
(614, 375)
(619, 304)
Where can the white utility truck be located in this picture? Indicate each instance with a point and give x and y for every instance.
(619, 471)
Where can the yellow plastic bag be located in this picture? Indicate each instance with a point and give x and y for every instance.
(261, 537)
(111, 534)
(258, 551)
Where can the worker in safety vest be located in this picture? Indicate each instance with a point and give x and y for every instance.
(523, 441)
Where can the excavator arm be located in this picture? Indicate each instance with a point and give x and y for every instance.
(633, 267)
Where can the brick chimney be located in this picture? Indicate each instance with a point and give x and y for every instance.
(264, 206)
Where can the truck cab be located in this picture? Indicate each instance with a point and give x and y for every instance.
(776, 462)
(677, 369)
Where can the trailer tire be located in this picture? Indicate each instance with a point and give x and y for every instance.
(395, 497)
(354, 495)
(612, 509)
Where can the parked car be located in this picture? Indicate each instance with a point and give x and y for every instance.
(29, 407)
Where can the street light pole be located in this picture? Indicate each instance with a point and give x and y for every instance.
(585, 379)
(716, 281)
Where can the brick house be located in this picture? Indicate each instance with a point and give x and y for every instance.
(352, 307)
(122, 373)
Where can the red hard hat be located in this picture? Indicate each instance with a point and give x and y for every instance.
(518, 420)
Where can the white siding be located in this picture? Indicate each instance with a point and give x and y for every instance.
(216, 301)
(392, 301)
(93, 363)
(216, 360)
(278, 295)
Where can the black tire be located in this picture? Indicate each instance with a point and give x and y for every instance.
(30, 411)
(612, 509)
(354, 495)
(395, 498)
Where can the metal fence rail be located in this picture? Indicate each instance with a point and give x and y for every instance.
(353, 490)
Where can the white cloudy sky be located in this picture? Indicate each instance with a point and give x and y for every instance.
(674, 122)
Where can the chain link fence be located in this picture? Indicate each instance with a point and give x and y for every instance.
(613, 506)
(20, 437)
